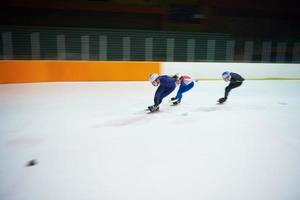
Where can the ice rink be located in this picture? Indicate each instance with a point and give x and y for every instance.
(94, 141)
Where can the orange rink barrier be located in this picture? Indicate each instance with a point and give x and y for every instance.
(13, 71)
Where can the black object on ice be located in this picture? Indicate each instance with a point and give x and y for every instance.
(31, 163)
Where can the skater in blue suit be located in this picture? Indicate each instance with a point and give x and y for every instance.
(166, 85)
(186, 83)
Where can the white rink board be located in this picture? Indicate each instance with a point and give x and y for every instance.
(206, 70)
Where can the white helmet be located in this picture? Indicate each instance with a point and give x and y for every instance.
(178, 76)
(153, 77)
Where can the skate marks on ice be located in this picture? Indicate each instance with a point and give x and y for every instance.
(120, 122)
(185, 114)
(25, 141)
(283, 103)
(226, 107)
(136, 118)
(144, 117)
(141, 117)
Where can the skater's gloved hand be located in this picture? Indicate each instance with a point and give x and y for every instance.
(222, 100)
(176, 102)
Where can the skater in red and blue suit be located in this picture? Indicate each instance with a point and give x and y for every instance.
(186, 83)
(166, 85)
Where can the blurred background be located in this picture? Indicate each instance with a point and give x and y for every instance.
(151, 30)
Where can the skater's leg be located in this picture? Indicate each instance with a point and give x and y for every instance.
(161, 93)
(230, 87)
(158, 95)
(182, 89)
(168, 91)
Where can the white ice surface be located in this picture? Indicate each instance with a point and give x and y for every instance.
(93, 141)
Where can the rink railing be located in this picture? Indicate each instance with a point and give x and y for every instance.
(96, 44)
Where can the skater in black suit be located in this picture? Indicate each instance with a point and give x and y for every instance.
(235, 79)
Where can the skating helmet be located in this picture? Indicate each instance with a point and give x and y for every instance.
(177, 76)
(226, 74)
(153, 77)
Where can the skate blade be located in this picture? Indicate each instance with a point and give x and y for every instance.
(151, 112)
